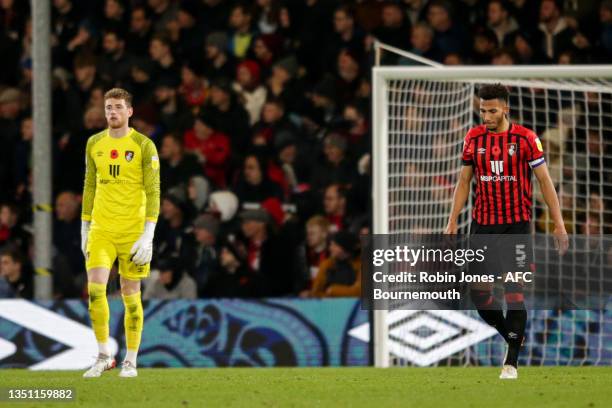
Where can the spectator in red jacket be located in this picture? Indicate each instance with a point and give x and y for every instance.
(211, 147)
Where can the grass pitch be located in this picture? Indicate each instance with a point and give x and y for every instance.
(326, 387)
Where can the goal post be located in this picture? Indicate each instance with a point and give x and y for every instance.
(420, 117)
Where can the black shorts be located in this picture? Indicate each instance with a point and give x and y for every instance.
(515, 228)
(511, 250)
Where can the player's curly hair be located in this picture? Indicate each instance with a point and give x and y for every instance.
(119, 93)
(495, 91)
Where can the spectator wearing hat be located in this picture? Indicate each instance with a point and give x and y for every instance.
(285, 85)
(218, 63)
(240, 22)
(210, 146)
(177, 166)
(321, 107)
(340, 274)
(254, 184)
(268, 259)
(140, 32)
(171, 283)
(232, 277)
(205, 251)
(251, 93)
(198, 191)
(230, 117)
(335, 167)
(224, 204)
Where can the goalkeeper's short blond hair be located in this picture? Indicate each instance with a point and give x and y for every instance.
(119, 93)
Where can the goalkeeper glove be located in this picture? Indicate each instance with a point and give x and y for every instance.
(84, 234)
(142, 250)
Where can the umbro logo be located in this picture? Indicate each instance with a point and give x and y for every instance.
(424, 337)
(482, 150)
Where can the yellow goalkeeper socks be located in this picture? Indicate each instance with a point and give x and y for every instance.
(98, 310)
(133, 321)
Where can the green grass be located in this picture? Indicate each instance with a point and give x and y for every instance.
(329, 387)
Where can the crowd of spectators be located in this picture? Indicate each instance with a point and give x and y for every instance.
(260, 111)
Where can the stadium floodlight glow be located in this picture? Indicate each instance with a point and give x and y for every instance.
(420, 116)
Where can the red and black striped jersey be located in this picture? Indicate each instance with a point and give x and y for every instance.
(502, 165)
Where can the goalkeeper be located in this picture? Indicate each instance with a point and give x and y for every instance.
(120, 209)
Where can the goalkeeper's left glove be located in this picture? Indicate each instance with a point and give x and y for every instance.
(142, 250)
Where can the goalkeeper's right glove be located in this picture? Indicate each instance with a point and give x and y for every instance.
(84, 234)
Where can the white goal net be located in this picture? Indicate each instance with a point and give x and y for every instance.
(421, 116)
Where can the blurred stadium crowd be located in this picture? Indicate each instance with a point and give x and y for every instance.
(260, 112)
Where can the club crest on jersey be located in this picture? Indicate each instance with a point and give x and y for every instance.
(511, 149)
(129, 155)
(496, 150)
(114, 154)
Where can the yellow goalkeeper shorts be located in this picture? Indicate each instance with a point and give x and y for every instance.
(104, 247)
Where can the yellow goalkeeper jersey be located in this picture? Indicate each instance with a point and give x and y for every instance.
(121, 188)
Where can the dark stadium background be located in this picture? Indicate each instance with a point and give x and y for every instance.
(283, 89)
